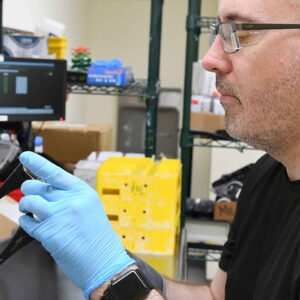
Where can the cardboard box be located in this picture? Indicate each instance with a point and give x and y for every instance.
(206, 121)
(71, 142)
(224, 211)
(6, 227)
(9, 215)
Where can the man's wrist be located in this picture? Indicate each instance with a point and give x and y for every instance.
(154, 295)
(97, 293)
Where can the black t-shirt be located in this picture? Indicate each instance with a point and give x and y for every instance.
(261, 256)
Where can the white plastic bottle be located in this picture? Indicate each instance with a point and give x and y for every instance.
(38, 144)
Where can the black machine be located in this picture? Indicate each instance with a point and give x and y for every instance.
(30, 90)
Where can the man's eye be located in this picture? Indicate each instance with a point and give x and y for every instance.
(248, 37)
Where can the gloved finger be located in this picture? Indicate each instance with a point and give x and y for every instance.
(36, 187)
(36, 205)
(45, 190)
(48, 171)
(29, 225)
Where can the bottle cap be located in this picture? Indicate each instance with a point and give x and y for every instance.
(38, 141)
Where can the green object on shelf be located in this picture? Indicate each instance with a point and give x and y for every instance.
(81, 58)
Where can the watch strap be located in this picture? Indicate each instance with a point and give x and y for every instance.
(145, 278)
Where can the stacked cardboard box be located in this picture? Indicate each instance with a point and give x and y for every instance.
(71, 142)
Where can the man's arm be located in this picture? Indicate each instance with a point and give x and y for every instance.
(179, 290)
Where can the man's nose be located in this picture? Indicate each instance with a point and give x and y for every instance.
(216, 59)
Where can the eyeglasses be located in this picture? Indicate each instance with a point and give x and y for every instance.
(235, 36)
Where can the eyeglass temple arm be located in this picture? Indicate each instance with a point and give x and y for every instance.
(264, 26)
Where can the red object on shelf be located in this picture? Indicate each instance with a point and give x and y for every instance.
(16, 194)
(81, 50)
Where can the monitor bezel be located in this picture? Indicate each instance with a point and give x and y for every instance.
(41, 117)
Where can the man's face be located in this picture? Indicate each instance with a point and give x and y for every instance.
(260, 84)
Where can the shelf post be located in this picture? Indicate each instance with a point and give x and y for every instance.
(1, 25)
(153, 77)
(192, 46)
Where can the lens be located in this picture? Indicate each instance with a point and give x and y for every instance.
(248, 38)
(212, 33)
(228, 37)
(233, 40)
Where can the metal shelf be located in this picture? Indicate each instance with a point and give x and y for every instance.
(138, 88)
(9, 30)
(203, 251)
(205, 219)
(204, 22)
(203, 254)
(217, 141)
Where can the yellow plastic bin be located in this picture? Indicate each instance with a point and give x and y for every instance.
(58, 46)
(142, 200)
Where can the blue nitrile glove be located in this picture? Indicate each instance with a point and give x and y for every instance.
(72, 224)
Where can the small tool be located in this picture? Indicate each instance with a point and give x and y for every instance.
(20, 238)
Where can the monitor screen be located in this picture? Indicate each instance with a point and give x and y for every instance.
(32, 89)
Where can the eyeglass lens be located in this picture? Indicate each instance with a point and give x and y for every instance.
(233, 40)
(227, 36)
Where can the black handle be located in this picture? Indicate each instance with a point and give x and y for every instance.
(19, 240)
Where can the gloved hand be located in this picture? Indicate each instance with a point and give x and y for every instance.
(72, 224)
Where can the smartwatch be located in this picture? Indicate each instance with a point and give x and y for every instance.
(131, 285)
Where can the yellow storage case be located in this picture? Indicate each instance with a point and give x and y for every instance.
(145, 241)
(142, 200)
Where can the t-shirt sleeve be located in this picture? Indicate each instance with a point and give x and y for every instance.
(228, 248)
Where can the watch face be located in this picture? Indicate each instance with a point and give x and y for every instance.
(129, 287)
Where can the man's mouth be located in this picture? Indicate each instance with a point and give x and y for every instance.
(227, 98)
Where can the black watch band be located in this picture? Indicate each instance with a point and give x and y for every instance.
(132, 285)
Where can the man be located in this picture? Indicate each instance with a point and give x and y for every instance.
(258, 76)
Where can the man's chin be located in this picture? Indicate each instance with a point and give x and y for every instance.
(236, 132)
(247, 138)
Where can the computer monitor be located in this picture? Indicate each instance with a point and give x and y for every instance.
(32, 89)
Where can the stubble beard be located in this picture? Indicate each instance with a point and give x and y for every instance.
(259, 121)
(250, 134)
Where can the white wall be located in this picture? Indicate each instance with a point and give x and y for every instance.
(25, 14)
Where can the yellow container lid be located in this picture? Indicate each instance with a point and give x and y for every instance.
(54, 41)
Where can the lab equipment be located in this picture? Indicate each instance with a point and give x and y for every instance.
(32, 89)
